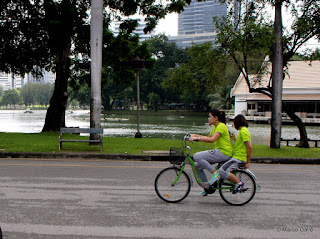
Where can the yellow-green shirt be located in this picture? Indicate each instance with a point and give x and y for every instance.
(240, 148)
(223, 143)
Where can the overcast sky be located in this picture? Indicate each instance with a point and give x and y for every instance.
(169, 25)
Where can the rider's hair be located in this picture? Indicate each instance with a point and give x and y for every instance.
(220, 114)
(240, 121)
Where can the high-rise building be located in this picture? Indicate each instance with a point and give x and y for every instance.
(138, 30)
(195, 24)
(11, 81)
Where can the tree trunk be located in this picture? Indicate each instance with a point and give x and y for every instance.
(55, 117)
(96, 30)
(60, 30)
(277, 79)
(302, 129)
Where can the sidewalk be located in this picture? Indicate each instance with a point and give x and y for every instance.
(143, 157)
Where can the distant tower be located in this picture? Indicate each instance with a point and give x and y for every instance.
(197, 17)
(195, 24)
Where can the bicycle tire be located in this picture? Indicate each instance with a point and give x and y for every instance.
(242, 197)
(165, 190)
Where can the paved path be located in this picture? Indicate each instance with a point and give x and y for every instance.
(68, 199)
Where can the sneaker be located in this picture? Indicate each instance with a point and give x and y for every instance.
(207, 191)
(203, 193)
(214, 178)
(238, 187)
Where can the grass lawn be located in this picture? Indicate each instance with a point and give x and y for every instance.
(48, 142)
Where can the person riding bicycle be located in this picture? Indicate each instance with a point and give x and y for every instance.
(241, 153)
(222, 151)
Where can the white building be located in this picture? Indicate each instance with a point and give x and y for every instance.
(301, 92)
(10, 81)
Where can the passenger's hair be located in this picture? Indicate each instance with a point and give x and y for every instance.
(220, 114)
(240, 121)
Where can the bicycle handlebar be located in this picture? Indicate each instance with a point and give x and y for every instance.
(187, 138)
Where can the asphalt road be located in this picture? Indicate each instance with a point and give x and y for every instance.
(50, 199)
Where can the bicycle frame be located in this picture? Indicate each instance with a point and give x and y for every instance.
(191, 162)
(197, 178)
(195, 172)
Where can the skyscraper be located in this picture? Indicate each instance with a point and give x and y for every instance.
(138, 30)
(195, 24)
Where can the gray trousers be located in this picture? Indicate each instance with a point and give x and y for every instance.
(205, 159)
(229, 166)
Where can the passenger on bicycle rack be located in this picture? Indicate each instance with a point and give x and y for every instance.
(241, 153)
(222, 151)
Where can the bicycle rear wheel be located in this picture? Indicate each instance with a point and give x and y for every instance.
(242, 197)
(169, 191)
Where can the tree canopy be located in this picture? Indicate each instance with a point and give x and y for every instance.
(247, 33)
(167, 55)
(207, 71)
(52, 34)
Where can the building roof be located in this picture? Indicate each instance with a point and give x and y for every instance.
(301, 83)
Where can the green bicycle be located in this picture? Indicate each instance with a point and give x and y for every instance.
(173, 184)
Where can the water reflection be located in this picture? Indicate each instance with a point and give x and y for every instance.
(152, 126)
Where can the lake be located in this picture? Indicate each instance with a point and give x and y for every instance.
(151, 126)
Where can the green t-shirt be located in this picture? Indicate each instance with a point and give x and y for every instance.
(223, 143)
(240, 149)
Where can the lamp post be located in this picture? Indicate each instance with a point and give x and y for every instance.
(138, 65)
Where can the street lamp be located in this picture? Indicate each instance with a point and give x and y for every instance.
(138, 65)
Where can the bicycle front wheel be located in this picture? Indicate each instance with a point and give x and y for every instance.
(242, 197)
(169, 187)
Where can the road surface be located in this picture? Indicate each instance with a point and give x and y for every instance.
(51, 199)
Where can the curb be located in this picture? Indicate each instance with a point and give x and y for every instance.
(143, 157)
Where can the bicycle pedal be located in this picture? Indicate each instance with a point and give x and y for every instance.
(243, 190)
(210, 190)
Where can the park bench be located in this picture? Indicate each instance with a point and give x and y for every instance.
(295, 139)
(98, 131)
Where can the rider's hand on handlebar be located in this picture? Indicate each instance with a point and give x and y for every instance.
(193, 137)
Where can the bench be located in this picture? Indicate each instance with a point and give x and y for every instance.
(295, 139)
(78, 131)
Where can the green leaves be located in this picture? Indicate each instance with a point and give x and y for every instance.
(206, 70)
(11, 97)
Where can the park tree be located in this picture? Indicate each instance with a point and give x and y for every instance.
(114, 92)
(1, 90)
(52, 34)
(36, 93)
(117, 72)
(154, 100)
(221, 99)
(11, 97)
(43, 93)
(204, 73)
(27, 93)
(244, 33)
(81, 95)
(314, 56)
(167, 56)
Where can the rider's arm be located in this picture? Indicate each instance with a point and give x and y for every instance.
(206, 139)
(249, 152)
